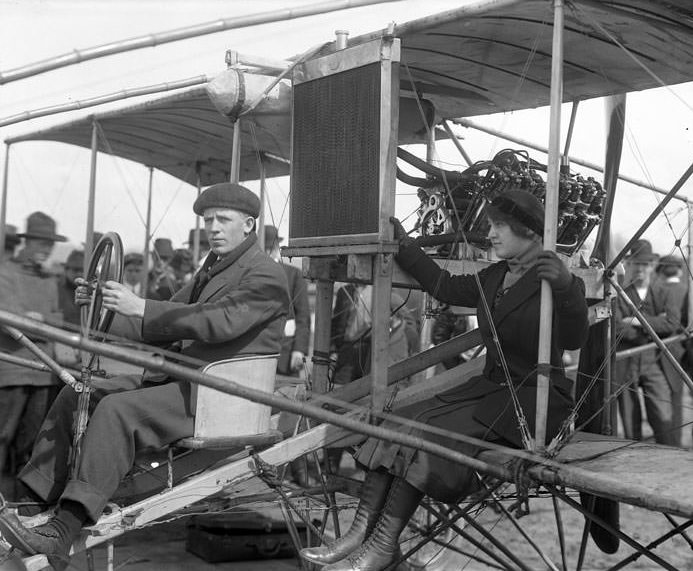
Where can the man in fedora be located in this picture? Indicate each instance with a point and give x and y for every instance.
(202, 243)
(235, 305)
(670, 291)
(26, 289)
(644, 371)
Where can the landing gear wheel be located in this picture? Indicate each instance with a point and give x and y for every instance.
(105, 264)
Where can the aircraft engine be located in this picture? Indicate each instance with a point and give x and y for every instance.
(454, 202)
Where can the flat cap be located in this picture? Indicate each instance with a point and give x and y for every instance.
(228, 195)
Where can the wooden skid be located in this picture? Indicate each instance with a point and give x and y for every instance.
(651, 476)
(226, 479)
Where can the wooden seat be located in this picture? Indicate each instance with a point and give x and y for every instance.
(226, 421)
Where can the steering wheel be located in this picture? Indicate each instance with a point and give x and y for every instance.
(105, 264)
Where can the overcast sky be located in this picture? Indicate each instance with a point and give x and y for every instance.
(54, 177)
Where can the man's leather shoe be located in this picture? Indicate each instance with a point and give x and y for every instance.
(42, 539)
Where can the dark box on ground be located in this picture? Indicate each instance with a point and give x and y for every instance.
(240, 536)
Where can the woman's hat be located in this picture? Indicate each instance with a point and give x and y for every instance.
(641, 251)
(523, 207)
(42, 227)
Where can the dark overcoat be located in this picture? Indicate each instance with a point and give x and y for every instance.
(299, 311)
(24, 287)
(481, 406)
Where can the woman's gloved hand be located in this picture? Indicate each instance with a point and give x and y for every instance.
(401, 234)
(553, 270)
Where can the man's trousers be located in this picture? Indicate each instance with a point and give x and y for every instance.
(125, 418)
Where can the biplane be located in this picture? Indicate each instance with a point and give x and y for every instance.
(344, 110)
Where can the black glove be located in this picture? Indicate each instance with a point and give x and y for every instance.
(400, 233)
(553, 270)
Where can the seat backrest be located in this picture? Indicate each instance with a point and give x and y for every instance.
(218, 414)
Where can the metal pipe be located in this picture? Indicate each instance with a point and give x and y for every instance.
(234, 174)
(571, 126)
(196, 235)
(263, 192)
(38, 365)
(91, 201)
(3, 206)
(341, 40)
(525, 143)
(652, 333)
(147, 235)
(550, 217)
(658, 209)
(228, 386)
(689, 274)
(53, 365)
(101, 99)
(152, 40)
(458, 145)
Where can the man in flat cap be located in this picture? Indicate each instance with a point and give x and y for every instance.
(235, 305)
(27, 289)
(644, 371)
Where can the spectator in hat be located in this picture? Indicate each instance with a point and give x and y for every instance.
(74, 268)
(11, 241)
(297, 330)
(161, 276)
(236, 305)
(295, 342)
(203, 244)
(27, 289)
(669, 289)
(181, 266)
(661, 308)
(132, 272)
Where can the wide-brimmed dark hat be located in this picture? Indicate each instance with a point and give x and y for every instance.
(203, 236)
(228, 195)
(164, 248)
(272, 236)
(641, 251)
(42, 227)
(524, 207)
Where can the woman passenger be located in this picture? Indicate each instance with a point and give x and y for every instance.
(398, 477)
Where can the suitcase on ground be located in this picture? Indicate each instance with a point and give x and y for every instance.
(239, 536)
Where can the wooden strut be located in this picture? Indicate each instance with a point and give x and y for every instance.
(550, 226)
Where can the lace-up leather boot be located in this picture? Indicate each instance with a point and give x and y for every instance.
(381, 549)
(374, 492)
